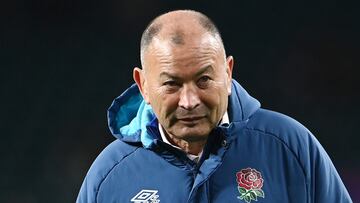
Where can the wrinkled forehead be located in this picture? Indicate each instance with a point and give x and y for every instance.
(184, 45)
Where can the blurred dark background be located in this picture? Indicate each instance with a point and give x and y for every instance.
(62, 62)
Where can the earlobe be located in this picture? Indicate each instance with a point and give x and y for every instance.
(229, 69)
(139, 78)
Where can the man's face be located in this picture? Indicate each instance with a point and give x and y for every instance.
(187, 85)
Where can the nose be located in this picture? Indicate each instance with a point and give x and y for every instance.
(189, 98)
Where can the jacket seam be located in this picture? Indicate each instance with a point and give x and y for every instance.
(286, 145)
(111, 169)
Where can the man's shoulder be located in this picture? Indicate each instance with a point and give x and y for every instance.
(108, 159)
(282, 128)
(115, 152)
(275, 123)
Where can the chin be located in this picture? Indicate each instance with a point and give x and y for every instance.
(195, 138)
(191, 135)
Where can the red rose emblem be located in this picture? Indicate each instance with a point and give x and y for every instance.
(249, 179)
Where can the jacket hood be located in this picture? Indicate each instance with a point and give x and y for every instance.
(129, 116)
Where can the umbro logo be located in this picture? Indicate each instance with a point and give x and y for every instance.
(146, 196)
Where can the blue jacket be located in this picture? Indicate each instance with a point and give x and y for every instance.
(260, 156)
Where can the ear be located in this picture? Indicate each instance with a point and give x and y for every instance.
(229, 69)
(139, 78)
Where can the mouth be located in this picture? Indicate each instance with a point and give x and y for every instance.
(190, 119)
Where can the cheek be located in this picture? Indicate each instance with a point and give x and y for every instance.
(155, 100)
(211, 99)
(216, 101)
(169, 103)
(163, 104)
(215, 96)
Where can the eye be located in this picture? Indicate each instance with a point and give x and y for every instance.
(170, 83)
(204, 81)
(204, 78)
(171, 86)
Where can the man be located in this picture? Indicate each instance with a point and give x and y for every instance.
(187, 132)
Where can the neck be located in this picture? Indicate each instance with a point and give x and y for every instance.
(193, 147)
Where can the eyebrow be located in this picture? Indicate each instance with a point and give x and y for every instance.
(208, 68)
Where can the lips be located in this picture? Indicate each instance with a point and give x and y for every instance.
(191, 119)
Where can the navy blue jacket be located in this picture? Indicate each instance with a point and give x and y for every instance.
(259, 156)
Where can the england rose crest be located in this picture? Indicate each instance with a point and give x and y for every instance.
(250, 183)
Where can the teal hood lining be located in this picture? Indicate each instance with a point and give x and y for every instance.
(144, 117)
(129, 116)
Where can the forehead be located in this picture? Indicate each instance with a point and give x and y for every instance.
(193, 51)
